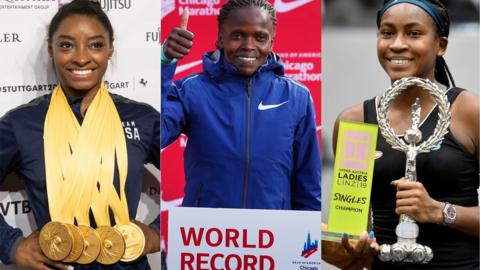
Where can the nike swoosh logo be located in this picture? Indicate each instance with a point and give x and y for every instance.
(262, 107)
(282, 6)
(182, 68)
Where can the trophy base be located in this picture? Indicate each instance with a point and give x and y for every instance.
(406, 250)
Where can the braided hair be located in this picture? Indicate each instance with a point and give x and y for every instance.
(237, 4)
(442, 72)
(80, 7)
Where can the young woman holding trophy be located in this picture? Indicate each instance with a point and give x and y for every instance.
(81, 172)
(411, 41)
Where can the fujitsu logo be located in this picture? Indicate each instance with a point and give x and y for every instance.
(115, 4)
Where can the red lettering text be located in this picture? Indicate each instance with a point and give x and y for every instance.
(231, 236)
(271, 263)
(237, 265)
(262, 234)
(187, 238)
(213, 264)
(202, 262)
(245, 243)
(250, 262)
(209, 237)
(186, 259)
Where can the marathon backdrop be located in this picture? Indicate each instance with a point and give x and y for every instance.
(297, 42)
(27, 72)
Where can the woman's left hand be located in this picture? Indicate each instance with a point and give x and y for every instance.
(413, 200)
(152, 239)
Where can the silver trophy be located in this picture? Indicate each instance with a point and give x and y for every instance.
(406, 249)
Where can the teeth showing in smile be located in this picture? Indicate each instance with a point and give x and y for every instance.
(81, 71)
(248, 59)
(399, 61)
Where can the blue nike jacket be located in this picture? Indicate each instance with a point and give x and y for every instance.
(252, 141)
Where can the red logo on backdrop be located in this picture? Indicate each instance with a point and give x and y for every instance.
(282, 6)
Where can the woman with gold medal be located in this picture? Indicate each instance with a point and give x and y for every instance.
(78, 184)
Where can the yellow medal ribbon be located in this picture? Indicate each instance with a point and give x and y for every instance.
(80, 161)
(80, 168)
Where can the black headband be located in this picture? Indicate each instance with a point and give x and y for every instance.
(435, 13)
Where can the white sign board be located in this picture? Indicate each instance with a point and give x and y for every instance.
(243, 239)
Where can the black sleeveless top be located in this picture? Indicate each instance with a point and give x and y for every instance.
(449, 174)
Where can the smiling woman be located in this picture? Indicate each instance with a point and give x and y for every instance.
(86, 152)
(412, 39)
(251, 131)
(80, 47)
(246, 39)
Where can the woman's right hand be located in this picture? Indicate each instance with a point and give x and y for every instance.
(350, 255)
(30, 256)
(180, 40)
(366, 246)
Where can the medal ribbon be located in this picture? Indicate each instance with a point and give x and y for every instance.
(80, 161)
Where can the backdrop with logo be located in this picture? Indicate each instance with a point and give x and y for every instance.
(297, 41)
(28, 73)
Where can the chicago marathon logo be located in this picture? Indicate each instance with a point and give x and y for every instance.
(309, 247)
(200, 7)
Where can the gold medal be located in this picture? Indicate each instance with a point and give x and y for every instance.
(77, 247)
(134, 241)
(91, 245)
(55, 240)
(112, 245)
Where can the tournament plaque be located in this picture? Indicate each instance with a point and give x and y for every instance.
(407, 250)
(352, 180)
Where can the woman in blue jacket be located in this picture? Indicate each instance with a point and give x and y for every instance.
(251, 131)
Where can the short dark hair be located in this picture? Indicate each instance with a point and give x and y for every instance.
(80, 7)
(237, 4)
